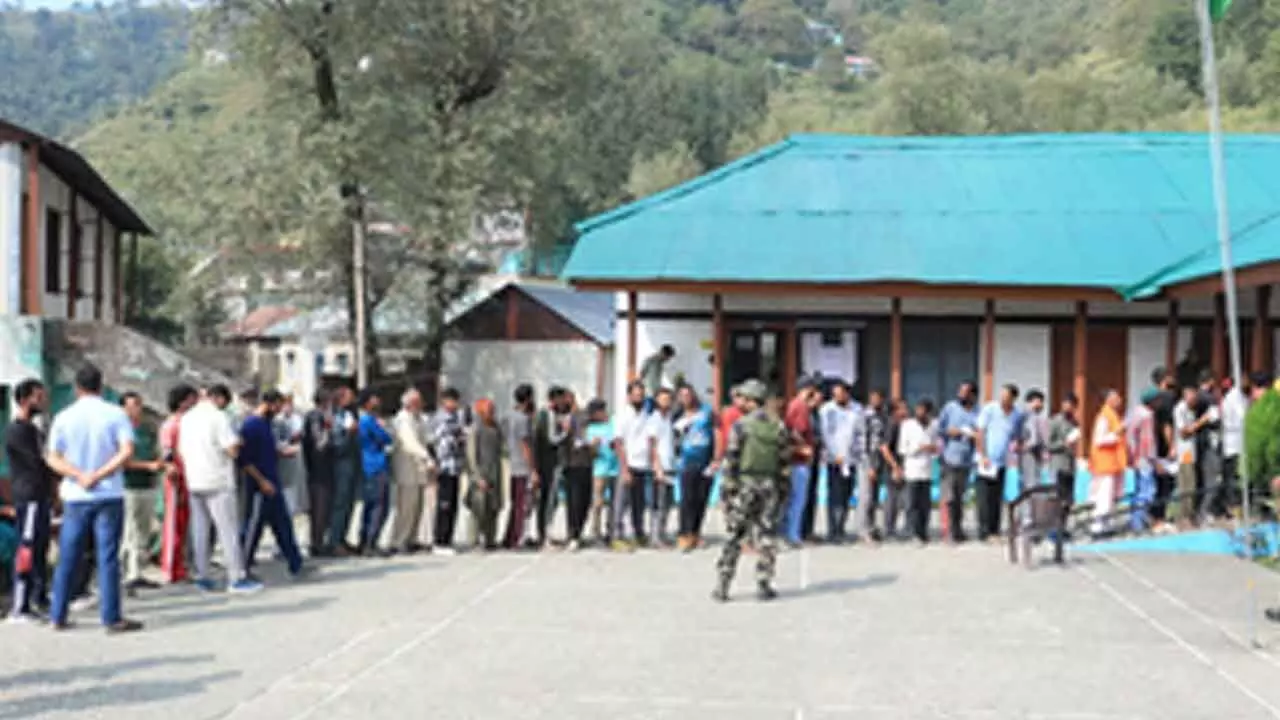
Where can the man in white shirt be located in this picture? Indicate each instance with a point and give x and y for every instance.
(844, 435)
(918, 444)
(208, 446)
(633, 440)
(1235, 404)
(663, 443)
(413, 470)
(1185, 428)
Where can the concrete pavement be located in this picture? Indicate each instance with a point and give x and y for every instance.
(895, 633)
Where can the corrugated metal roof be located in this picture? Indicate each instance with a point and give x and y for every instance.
(591, 312)
(1253, 245)
(1046, 210)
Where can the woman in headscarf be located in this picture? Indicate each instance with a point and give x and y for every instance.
(484, 462)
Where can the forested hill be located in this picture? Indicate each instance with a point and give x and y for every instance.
(60, 71)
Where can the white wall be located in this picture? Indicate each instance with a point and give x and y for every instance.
(11, 164)
(692, 339)
(1022, 357)
(494, 368)
(1146, 353)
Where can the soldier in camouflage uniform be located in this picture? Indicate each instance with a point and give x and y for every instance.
(756, 458)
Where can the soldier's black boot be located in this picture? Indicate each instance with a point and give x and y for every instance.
(721, 593)
(765, 592)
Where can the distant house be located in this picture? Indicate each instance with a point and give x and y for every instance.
(859, 66)
(535, 332)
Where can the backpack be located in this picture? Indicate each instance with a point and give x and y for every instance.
(761, 447)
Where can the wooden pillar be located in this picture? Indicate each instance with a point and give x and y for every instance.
(1261, 360)
(117, 279)
(1218, 355)
(790, 360)
(1080, 364)
(989, 352)
(513, 313)
(1171, 338)
(632, 301)
(73, 258)
(895, 347)
(32, 280)
(99, 266)
(718, 341)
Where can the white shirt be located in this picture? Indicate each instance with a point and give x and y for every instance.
(663, 429)
(1234, 407)
(204, 436)
(1184, 417)
(635, 431)
(915, 445)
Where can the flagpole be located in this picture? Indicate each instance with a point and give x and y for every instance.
(1209, 68)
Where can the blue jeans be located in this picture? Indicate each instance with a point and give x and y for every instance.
(1144, 494)
(269, 511)
(796, 501)
(375, 497)
(105, 519)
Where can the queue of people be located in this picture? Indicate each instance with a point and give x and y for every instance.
(226, 475)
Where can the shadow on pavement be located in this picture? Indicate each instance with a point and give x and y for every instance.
(99, 673)
(845, 585)
(239, 609)
(110, 695)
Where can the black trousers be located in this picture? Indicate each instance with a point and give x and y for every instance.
(990, 499)
(1165, 483)
(640, 479)
(1066, 482)
(544, 508)
(839, 490)
(31, 589)
(577, 487)
(954, 482)
(919, 507)
(695, 491)
(810, 503)
(446, 509)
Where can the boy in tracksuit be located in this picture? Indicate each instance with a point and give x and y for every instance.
(258, 460)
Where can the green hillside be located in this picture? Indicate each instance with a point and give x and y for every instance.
(62, 70)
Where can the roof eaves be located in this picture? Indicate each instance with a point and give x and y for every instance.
(685, 188)
(1180, 270)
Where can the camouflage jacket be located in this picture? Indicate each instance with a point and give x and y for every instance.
(733, 449)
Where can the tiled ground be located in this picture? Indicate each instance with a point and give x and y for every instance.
(896, 633)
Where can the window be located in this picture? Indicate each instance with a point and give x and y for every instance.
(52, 250)
(937, 357)
(344, 361)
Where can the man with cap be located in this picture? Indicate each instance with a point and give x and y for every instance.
(757, 455)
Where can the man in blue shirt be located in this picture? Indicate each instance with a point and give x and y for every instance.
(258, 460)
(999, 427)
(89, 444)
(375, 443)
(696, 430)
(957, 426)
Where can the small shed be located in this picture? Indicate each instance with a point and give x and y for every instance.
(526, 331)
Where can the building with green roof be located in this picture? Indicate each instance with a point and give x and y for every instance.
(1064, 262)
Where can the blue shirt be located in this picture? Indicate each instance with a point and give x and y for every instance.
(88, 434)
(998, 431)
(374, 441)
(957, 451)
(606, 463)
(258, 448)
(697, 439)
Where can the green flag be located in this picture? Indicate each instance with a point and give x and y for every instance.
(1218, 8)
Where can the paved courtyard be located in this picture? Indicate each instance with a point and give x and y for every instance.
(896, 633)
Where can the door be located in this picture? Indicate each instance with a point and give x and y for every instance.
(754, 354)
(1106, 366)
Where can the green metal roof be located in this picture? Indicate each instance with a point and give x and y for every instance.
(1252, 245)
(1098, 211)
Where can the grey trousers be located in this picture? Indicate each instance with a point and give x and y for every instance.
(139, 519)
(410, 501)
(895, 498)
(869, 481)
(664, 496)
(216, 510)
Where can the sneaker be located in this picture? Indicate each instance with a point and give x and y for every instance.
(26, 618)
(445, 551)
(143, 584)
(306, 572)
(622, 546)
(721, 593)
(85, 603)
(206, 585)
(574, 546)
(245, 587)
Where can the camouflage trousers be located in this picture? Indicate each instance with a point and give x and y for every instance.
(751, 512)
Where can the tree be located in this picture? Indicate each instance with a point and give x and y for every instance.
(1173, 45)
